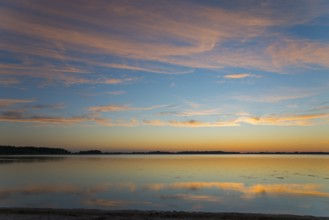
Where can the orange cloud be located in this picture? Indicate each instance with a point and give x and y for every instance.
(239, 76)
(117, 81)
(284, 120)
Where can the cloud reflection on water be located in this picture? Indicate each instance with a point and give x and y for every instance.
(106, 195)
(189, 197)
(247, 191)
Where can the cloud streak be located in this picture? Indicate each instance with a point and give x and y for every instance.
(271, 120)
(22, 115)
(17, 117)
(191, 123)
(292, 52)
(142, 37)
(285, 120)
(74, 79)
(118, 108)
(282, 94)
(9, 81)
(239, 76)
(10, 102)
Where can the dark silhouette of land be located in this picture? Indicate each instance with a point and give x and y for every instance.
(84, 214)
(11, 150)
(30, 150)
(90, 152)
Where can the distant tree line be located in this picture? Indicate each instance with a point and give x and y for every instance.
(11, 150)
(28, 150)
(90, 152)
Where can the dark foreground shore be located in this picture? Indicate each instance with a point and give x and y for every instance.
(81, 214)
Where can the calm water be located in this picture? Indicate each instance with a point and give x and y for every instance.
(228, 183)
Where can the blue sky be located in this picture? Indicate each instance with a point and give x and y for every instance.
(161, 75)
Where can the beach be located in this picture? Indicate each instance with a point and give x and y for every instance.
(84, 214)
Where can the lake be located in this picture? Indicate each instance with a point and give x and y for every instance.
(288, 184)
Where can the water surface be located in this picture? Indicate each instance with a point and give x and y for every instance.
(293, 184)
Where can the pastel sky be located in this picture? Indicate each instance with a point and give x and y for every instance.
(165, 75)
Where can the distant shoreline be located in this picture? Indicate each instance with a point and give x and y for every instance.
(31, 150)
(75, 214)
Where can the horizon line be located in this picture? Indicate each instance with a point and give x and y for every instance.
(55, 150)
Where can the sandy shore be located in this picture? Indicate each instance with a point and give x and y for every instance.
(75, 214)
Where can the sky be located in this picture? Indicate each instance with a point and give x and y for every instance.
(249, 75)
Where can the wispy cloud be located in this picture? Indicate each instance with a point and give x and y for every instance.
(238, 120)
(22, 116)
(9, 81)
(12, 116)
(118, 123)
(118, 80)
(146, 39)
(74, 79)
(292, 52)
(116, 108)
(270, 98)
(199, 113)
(26, 114)
(239, 75)
(281, 94)
(10, 102)
(118, 92)
(111, 93)
(192, 104)
(48, 106)
(192, 113)
(149, 68)
(190, 123)
(284, 120)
